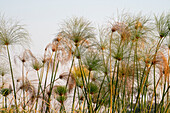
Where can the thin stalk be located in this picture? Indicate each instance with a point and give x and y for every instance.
(89, 77)
(62, 109)
(5, 102)
(102, 81)
(52, 74)
(51, 87)
(84, 75)
(91, 107)
(132, 92)
(118, 97)
(47, 74)
(124, 90)
(136, 65)
(90, 100)
(163, 96)
(167, 108)
(141, 87)
(23, 92)
(79, 99)
(140, 72)
(12, 76)
(154, 93)
(41, 77)
(117, 80)
(103, 99)
(84, 104)
(145, 88)
(154, 87)
(46, 80)
(110, 73)
(147, 73)
(52, 84)
(70, 71)
(168, 73)
(74, 99)
(145, 96)
(39, 86)
(84, 84)
(2, 97)
(135, 70)
(163, 93)
(113, 75)
(99, 92)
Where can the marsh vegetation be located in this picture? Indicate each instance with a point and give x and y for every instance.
(122, 66)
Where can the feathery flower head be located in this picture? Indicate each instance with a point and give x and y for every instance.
(77, 30)
(122, 29)
(12, 33)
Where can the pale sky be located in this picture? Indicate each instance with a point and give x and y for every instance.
(42, 17)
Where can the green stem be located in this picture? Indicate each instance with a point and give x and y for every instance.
(167, 108)
(70, 71)
(23, 82)
(84, 104)
(110, 73)
(124, 90)
(84, 84)
(163, 96)
(39, 86)
(52, 74)
(98, 97)
(12, 76)
(47, 76)
(154, 87)
(74, 99)
(79, 99)
(117, 80)
(141, 87)
(135, 70)
(41, 77)
(51, 88)
(62, 108)
(105, 96)
(147, 73)
(5, 102)
(90, 100)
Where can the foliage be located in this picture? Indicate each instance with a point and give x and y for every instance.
(124, 67)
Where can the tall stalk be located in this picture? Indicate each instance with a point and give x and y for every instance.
(70, 71)
(23, 92)
(51, 88)
(90, 101)
(85, 88)
(12, 76)
(124, 90)
(105, 74)
(117, 80)
(48, 103)
(154, 86)
(168, 73)
(110, 73)
(147, 73)
(46, 79)
(74, 99)
(154, 93)
(5, 102)
(39, 86)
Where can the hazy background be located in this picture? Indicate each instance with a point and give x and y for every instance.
(42, 17)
